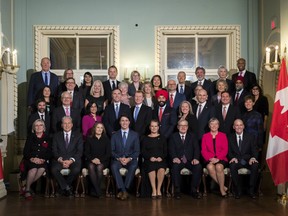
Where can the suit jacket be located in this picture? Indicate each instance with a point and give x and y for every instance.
(206, 114)
(154, 102)
(33, 117)
(248, 147)
(108, 90)
(168, 122)
(141, 125)
(249, 80)
(187, 92)
(177, 100)
(221, 147)
(240, 102)
(132, 89)
(190, 148)
(37, 83)
(206, 85)
(226, 126)
(59, 113)
(131, 148)
(110, 121)
(74, 150)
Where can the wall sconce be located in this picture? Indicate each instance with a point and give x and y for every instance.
(8, 64)
(275, 65)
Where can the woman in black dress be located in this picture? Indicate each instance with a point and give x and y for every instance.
(154, 151)
(37, 152)
(97, 152)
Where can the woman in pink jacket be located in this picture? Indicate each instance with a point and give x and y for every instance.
(214, 151)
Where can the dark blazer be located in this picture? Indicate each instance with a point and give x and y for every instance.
(37, 83)
(141, 125)
(74, 150)
(168, 122)
(108, 90)
(248, 147)
(206, 114)
(240, 103)
(190, 147)
(109, 119)
(187, 91)
(177, 100)
(226, 126)
(249, 80)
(131, 149)
(206, 85)
(59, 113)
(132, 89)
(154, 102)
(33, 117)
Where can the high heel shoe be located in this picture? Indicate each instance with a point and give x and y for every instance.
(28, 196)
(224, 195)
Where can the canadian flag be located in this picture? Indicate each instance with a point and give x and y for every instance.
(277, 152)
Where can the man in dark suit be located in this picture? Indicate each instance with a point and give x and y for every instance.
(182, 88)
(67, 150)
(166, 115)
(110, 84)
(39, 114)
(243, 154)
(142, 115)
(204, 112)
(200, 75)
(184, 151)
(65, 110)
(125, 151)
(226, 113)
(175, 98)
(113, 111)
(249, 77)
(41, 79)
(240, 93)
(77, 99)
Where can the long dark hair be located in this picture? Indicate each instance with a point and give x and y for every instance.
(89, 74)
(93, 129)
(89, 105)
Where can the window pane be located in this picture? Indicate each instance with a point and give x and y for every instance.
(212, 52)
(180, 53)
(93, 53)
(63, 53)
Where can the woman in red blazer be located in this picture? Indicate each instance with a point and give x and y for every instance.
(214, 151)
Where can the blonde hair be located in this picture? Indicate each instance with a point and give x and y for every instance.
(101, 86)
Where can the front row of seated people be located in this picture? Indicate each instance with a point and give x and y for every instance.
(179, 151)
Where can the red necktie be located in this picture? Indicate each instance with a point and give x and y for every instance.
(171, 100)
(237, 97)
(160, 113)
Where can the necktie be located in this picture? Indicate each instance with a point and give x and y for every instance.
(116, 110)
(136, 113)
(183, 159)
(160, 114)
(46, 78)
(171, 100)
(237, 97)
(199, 110)
(42, 117)
(113, 85)
(181, 90)
(200, 83)
(224, 113)
(67, 112)
(66, 140)
(241, 73)
(124, 138)
(239, 142)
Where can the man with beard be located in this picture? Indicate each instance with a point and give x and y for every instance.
(165, 114)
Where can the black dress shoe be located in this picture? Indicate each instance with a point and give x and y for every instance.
(196, 195)
(237, 196)
(177, 196)
(69, 193)
(253, 196)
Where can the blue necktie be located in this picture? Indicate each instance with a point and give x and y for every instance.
(46, 78)
(124, 138)
(181, 89)
(136, 113)
(66, 140)
(117, 110)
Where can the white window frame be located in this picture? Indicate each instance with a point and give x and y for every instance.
(44, 32)
(230, 32)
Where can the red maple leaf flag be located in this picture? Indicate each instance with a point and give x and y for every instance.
(277, 152)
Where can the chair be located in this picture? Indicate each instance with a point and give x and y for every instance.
(123, 171)
(82, 180)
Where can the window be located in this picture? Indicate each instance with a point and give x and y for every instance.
(186, 47)
(82, 48)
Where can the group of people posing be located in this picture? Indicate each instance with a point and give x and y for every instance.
(111, 124)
